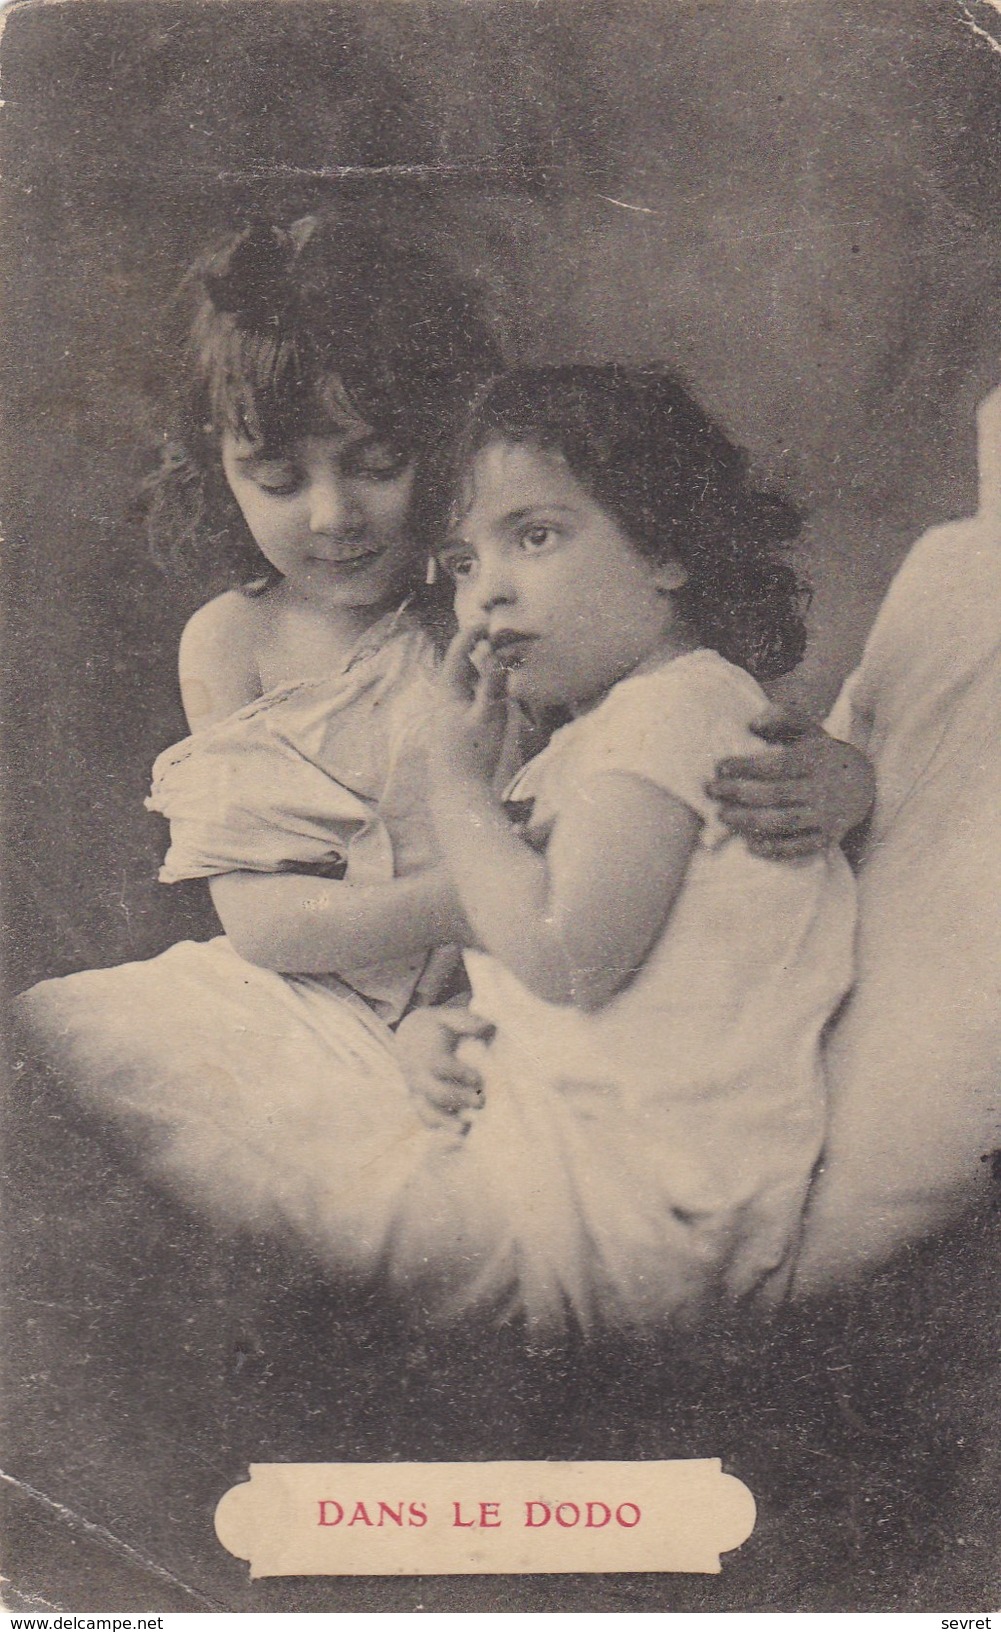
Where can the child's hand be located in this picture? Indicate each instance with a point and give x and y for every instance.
(806, 792)
(442, 1085)
(471, 714)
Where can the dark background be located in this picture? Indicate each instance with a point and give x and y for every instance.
(814, 235)
(800, 204)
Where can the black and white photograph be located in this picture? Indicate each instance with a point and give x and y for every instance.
(501, 772)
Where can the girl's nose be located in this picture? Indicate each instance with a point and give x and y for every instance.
(331, 508)
(490, 603)
(493, 587)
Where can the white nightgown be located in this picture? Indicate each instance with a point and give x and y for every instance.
(631, 1164)
(269, 1101)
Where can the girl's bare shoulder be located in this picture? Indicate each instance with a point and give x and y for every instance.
(219, 656)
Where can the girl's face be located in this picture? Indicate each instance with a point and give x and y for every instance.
(330, 513)
(568, 603)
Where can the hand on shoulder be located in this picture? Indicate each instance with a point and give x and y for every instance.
(218, 664)
(803, 792)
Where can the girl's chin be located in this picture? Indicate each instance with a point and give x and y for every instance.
(541, 695)
(520, 688)
(349, 594)
(535, 699)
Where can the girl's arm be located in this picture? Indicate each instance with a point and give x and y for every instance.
(303, 925)
(296, 923)
(573, 925)
(576, 924)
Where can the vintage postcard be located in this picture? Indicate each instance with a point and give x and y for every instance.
(504, 1107)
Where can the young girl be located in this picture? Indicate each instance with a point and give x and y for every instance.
(327, 362)
(653, 1099)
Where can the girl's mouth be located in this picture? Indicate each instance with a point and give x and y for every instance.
(510, 647)
(348, 562)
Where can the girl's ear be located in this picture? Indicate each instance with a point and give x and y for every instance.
(669, 576)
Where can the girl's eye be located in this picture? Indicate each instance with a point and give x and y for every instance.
(282, 481)
(537, 537)
(458, 566)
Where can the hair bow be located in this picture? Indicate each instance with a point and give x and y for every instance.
(250, 277)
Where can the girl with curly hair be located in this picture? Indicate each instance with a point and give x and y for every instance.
(652, 1102)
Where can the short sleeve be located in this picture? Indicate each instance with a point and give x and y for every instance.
(850, 719)
(671, 727)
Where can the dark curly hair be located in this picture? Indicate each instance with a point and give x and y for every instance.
(299, 330)
(645, 450)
